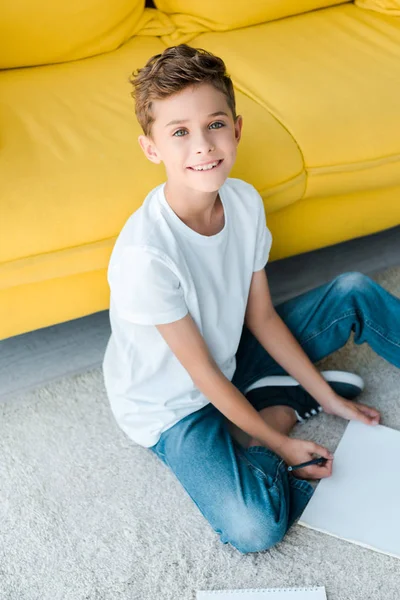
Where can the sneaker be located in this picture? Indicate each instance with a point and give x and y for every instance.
(348, 385)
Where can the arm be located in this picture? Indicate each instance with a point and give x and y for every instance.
(272, 333)
(186, 342)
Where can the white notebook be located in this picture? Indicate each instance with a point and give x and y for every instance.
(303, 593)
(360, 501)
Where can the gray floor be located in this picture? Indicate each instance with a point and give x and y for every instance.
(35, 358)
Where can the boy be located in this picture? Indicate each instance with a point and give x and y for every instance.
(196, 342)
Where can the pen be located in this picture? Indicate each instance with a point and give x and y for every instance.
(316, 461)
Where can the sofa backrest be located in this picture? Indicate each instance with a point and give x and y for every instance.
(387, 7)
(221, 15)
(43, 32)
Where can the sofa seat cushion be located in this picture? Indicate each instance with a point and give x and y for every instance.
(332, 79)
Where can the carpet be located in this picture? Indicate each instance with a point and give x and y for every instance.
(85, 514)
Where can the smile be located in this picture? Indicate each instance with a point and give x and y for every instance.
(207, 167)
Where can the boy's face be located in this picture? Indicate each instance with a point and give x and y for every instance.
(197, 137)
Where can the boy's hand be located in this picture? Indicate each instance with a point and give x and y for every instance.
(351, 410)
(295, 452)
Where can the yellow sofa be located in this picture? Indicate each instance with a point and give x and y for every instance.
(319, 92)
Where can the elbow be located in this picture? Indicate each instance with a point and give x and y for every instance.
(259, 323)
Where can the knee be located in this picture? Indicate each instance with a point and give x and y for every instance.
(255, 533)
(352, 282)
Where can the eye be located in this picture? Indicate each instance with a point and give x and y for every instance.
(179, 131)
(219, 123)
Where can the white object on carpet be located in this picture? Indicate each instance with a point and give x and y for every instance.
(315, 593)
(360, 501)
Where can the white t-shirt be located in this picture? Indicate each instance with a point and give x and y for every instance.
(160, 269)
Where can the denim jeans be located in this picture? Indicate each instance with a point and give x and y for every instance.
(247, 495)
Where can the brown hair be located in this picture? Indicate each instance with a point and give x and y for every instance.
(176, 68)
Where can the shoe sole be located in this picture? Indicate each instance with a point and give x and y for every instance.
(329, 376)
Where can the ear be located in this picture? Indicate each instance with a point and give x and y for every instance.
(238, 128)
(149, 149)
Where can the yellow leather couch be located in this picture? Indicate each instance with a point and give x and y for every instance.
(317, 83)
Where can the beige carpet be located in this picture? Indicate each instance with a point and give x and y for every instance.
(87, 515)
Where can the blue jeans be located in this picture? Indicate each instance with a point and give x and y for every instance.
(247, 495)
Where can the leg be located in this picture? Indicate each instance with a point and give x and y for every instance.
(281, 418)
(246, 495)
(322, 319)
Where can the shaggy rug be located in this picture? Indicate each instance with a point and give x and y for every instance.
(85, 514)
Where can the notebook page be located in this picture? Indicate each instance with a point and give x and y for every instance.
(304, 593)
(360, 501)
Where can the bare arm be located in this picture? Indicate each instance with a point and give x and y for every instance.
(272, 333)
(186, 342)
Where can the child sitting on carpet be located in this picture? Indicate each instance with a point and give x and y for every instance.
(196, 342)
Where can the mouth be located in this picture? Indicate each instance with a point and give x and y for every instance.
(207, 167)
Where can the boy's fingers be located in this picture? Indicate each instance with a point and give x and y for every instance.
(316, 472)
(366, 417)
(322, 451)
(371, 412)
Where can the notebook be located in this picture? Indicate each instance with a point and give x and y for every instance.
(302, 593)
(360, 501)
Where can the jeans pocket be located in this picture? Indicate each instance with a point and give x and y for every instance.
(301, 485)
(263, 463)
(288, 496)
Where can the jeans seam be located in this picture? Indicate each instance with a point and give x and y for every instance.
(296, 483)
(266, 452)
(326, 327)
(373, 326)
(306, 494)
(256, 469)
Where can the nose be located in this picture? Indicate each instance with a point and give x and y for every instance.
(203, 143)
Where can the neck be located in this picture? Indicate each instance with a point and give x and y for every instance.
(192, 206)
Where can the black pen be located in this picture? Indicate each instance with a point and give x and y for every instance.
(317, 461)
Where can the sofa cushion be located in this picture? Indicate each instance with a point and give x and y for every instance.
(332, 79)
(70, 157)
(43, 32)
(225, 14)
(72, 170)
(390, 7)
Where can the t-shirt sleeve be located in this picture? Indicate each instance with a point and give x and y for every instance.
(264, 239)
(144, 288)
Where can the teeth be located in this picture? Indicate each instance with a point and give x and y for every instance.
(206, 167)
